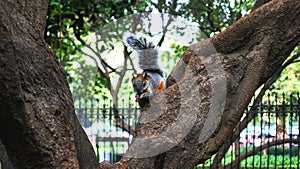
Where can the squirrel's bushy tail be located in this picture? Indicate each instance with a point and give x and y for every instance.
(137, 43)
(147, 53)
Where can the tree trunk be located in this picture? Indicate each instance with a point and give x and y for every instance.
(211, 86)
(207, 91)
(38, 125)
(4, 159)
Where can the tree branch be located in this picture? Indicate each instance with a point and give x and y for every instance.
(251, 114)
(260, 3)
(119, 122)
(250, 52)
(165, 29)
(38, 127)
(98, 53)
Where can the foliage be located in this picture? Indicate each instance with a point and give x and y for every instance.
(289, 80)
(70, 23)
(171, 56)
(215, 16)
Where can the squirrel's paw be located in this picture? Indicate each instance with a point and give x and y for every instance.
(137, 96)
(144, 95)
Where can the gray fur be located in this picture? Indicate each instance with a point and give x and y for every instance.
(148, 62)
(155, 80)
(147, 53)
(138, 86)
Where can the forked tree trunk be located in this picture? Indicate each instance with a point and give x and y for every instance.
(38, 126)
(202, 118)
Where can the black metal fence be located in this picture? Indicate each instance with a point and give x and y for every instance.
(98, 119)
(267, 138)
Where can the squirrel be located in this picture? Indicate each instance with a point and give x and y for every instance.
(152, 78)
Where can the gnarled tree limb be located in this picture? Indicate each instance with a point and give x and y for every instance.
(38, 125)
(250, 52)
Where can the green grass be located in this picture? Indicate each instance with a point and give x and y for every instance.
(276, 156)
(270, 161)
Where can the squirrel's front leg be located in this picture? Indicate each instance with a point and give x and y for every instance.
(146, 94)
(137, 96)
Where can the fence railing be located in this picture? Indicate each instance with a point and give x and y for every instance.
(98, 119)
(270, 138)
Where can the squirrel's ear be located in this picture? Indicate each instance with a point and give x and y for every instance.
(145, 74)
(134, 75)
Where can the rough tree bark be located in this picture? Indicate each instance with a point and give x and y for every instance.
(4, 159)
(38, 125)
(250, 51)
(251, 114)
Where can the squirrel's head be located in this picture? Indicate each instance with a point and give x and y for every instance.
(140, 82)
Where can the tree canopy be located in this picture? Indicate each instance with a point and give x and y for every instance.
(70, 24)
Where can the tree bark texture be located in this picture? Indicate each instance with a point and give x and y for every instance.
(38, 125)
(242, 57)
(4, 159)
